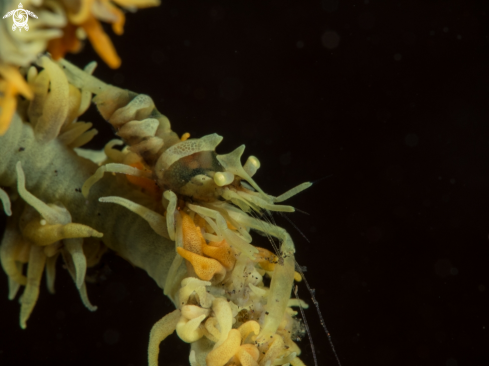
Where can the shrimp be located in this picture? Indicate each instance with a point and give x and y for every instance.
(172, 206)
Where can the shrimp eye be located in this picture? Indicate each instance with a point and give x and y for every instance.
(193, 175)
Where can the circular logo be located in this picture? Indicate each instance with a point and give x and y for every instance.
(20, 18)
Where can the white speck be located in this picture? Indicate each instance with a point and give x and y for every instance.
(43, 222)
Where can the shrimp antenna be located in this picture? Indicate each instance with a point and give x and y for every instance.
(316, 304)
(302, 212)
(322, 178)
(296, 292)
(296, 227)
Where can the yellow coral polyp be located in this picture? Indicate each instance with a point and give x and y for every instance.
(162, 329)
(220, 355)
(275, 349)
(212, 332)
(266, 259)
(248, 328)
(44, 235)
(189, 330)
(248, 355)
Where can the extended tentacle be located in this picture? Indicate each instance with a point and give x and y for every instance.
(143, 128)
(5, 199)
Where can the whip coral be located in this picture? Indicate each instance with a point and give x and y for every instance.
(172, 205)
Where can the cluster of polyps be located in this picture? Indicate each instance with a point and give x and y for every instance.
(38, 232)
(61, 26)
(224, 309)
(209, 205)
(216, 280)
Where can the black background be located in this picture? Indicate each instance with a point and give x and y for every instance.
(396, 114)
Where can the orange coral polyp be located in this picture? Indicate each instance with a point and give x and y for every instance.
(193, 240)
(12, 84)
(13, 77)
(222, 252)
(205, 268)
(118, 25)
(69, 42)
(101, 42)
(194, 248)
(199, 221)
(147, 184)
(185, 136)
